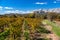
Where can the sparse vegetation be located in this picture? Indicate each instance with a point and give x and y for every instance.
(27, 27)
(55, 27)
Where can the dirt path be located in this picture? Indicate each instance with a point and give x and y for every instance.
(57, 22)
(22, 36)
(52, 35)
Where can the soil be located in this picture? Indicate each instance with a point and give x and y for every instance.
(52, 35)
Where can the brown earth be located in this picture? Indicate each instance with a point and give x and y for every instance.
(52, 35)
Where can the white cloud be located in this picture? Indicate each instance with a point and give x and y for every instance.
(1, 7)
(26, 11)
(8, 7)
(57, 0)
(54, 2)
(17, 11)
(41, 3)
(11, 11)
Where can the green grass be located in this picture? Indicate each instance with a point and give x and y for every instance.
(4, 34)
(55, 27)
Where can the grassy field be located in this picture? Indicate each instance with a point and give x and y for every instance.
(55, 28)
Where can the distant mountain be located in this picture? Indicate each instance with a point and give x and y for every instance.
(40, 11)
(57, 10)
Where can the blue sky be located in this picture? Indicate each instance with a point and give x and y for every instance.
(26, 5)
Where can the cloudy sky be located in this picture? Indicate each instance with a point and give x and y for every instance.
(17, 6)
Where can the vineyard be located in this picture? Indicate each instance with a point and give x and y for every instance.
(29, 26)
(21, 28)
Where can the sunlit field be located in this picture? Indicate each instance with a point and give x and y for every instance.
(32, 27)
